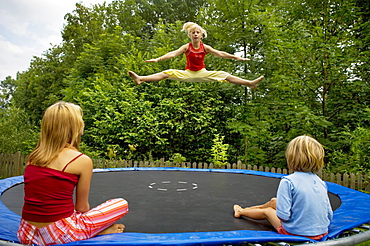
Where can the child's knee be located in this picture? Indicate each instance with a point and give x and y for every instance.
(270, 212)
(119, 203)
(122, 202)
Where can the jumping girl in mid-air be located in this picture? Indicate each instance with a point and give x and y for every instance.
(195, 70)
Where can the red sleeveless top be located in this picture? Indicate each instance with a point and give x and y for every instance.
(48, 193)
(195, 57)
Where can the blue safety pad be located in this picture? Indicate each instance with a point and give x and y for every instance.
(9, 221)
(354, 211)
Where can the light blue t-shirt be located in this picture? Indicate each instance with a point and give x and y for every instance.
(303, 204)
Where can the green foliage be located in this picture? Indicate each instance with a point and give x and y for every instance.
(314, 56)
(41, 85)
(177, 158)
(17, 133)
(7, 89)
(111, 152)
(357, 157)
(219, 151)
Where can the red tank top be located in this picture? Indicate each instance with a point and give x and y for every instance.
(195, 57)
(48, 193)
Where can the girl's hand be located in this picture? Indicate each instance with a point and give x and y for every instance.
(153, 60)
(242, 59)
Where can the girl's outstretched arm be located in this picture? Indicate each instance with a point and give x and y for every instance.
(171, 54)
(223, 54)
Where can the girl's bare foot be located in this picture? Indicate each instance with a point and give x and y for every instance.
(254, 83)
(237, 210)
(115, 228)
(135, 77)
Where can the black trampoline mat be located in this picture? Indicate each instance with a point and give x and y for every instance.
(178, 201)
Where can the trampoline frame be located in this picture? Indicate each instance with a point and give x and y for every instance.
(352, 212)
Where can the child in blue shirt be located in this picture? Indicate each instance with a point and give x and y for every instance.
(302, 205)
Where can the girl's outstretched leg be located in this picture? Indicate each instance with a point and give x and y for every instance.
(269, 204)
(264, 211)
(261, 214)
(239, 81)
(149, 78)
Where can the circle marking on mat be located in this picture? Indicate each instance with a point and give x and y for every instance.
(179, 186)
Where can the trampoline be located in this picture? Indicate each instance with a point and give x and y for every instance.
(185, 206)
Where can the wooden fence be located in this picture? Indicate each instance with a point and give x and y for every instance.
(13, 165)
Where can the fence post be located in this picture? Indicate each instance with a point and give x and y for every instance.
(345, 179)
(352, 181)
(2, 166)
(332, 177)
(17, 163)
(359, 181)
(239, 165)
(367, 182)
(339, 179)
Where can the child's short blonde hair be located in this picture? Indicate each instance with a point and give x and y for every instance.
(305, 154)
(191, 26)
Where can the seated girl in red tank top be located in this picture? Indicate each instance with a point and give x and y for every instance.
(55, 168)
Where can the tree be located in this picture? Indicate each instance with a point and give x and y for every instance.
(7, 89)
(41, 85)
(17, 133)
(314, 56)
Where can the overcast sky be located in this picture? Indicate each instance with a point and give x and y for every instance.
(30, 27)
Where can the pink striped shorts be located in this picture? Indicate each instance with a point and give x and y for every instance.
(281, 230)
(78, 226)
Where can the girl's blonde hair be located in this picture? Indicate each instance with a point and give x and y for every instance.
(62, 125)
(191, 26)
(305, 154)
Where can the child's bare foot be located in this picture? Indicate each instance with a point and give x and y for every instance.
(115, 228)
(135, 77)
(254, 83)
(237, 210)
